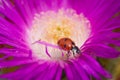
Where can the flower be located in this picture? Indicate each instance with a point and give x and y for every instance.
(30, 30)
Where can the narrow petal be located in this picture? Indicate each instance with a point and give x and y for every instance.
(89, 70)
(97, 67)
(81, 71)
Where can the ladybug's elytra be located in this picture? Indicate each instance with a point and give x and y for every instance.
(68, 45)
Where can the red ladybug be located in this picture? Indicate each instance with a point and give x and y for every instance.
(68, 45)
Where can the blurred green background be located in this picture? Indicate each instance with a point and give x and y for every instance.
(113, 66)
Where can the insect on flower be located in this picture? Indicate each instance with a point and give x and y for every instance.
(68, 45)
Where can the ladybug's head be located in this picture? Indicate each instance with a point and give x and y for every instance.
(75, 50)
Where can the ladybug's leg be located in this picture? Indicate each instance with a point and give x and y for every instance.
(73, 53)
(68, 53)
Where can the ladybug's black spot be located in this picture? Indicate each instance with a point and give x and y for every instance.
(64, 45)
(73, 43)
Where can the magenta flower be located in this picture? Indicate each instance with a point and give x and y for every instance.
(30, 30)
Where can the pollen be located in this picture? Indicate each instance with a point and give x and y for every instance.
(50, 26)
(57, 31)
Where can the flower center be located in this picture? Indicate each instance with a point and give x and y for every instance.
(50, 26)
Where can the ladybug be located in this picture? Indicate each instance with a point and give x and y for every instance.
(68, 45)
